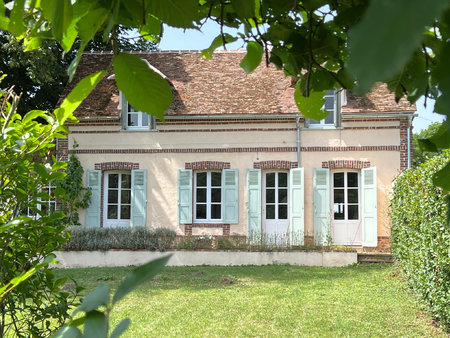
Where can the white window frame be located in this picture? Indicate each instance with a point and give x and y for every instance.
(48, 202)
(346, 188)
(339, 100)
(119, 221)
(208, 202)
(127, 110)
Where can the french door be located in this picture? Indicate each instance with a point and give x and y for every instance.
(117, 199)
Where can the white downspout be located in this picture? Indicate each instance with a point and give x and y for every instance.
(409, 142)
(298, 141)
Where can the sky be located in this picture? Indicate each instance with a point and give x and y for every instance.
(191, 39)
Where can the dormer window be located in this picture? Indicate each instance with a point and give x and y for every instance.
(136, 120)
(334, 99)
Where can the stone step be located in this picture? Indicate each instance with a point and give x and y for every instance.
(370, 258)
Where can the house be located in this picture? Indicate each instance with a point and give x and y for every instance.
(235, 156)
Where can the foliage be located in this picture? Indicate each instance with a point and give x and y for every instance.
(420, 155)
(76, 195)
(324, 44)
(98, 304)
(127, 238)
(267, 301)
(421, 235)
(32, 302)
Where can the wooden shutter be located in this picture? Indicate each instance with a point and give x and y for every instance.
(296, 203)
(230, 192)
(322, 213)
(138, 197)
(253, 206)
(185, 196)
(94, 183)
(369, 206)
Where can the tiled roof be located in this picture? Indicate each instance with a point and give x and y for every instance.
(217, 86)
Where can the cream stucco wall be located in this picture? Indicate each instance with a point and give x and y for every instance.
(163, 167)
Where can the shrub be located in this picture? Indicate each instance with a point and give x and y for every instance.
(421, 235)
(133, 238)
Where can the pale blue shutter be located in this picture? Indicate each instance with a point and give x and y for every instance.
(369, 206)
(253, 206)
(296, 202)
(322, 213)
(138, 197)
(185, 196)
(230, 192)
(94, 183)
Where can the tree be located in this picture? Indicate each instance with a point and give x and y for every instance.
(420, 155)
(323, 43)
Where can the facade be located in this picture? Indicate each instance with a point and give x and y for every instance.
(235, 156)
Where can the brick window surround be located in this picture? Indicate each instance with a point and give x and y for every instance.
(225, 227)
(274, 165)
(346, 164)
(116, 166)
(207, 165)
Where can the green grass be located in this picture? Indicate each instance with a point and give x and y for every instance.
(277, 300)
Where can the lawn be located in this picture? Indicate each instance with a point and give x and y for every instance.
(277, 300)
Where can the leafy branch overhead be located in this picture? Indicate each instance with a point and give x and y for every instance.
(324, 44)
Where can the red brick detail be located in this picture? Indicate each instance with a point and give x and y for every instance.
(345, 164)
(241, 150)
(404, 144)
(116, 166)
(62, 149)
(275, 165)
(225, 227)
(207, 165)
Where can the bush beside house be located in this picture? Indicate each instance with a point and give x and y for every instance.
(421, 235)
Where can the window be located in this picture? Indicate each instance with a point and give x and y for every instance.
(276, 195)
(334, 100)
(346, 196)
(208, 196)
(117, 199)
(45, 206)
(136, 120)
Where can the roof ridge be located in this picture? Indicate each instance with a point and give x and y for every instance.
(180, 51)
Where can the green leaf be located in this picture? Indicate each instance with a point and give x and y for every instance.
(253, 57)
(442, 178)
(69, 36)
(245, 9)
(32, 42)
(95, 325)
(16, 26)
(90, 23)
(4, 21)
(120, 328)
(311, 106)
(138, 276)
(387, 35)
(68, 332)
(98, 297)
(76, 96)
(216, 43)
(176, 13)
(31, 115)
(143, 88)
(152, 28)
(62, 18)
(442, 75)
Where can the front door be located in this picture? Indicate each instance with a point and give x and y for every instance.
(275, 208)
(346, 229)
(117, 199)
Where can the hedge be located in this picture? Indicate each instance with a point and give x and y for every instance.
(421, 236)
(129, 238)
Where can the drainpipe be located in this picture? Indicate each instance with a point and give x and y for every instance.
(409, 142)
(298, 141)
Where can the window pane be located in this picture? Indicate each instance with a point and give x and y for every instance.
(270, 179)
(133, 120)
(282, 212)
(201, 211)
(113, 180)
(338, 179)
(352, 195)
(201, 195)
(126, 181)
(216, 195)
(330, 118)
(131, 108)
(201, 179)
(112, 196)
(329, 103)
(216, 179)
(125, 196)
(282, 179)
(339, 211)
(270, 195)
(338, 196)
(352, 179)
(112, 211)
(144, 119)
(282, 195)
(353, 212)
(125, 212)
(270, 212)
(216, 211)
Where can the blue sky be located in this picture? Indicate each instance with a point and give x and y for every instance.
(179, 39)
